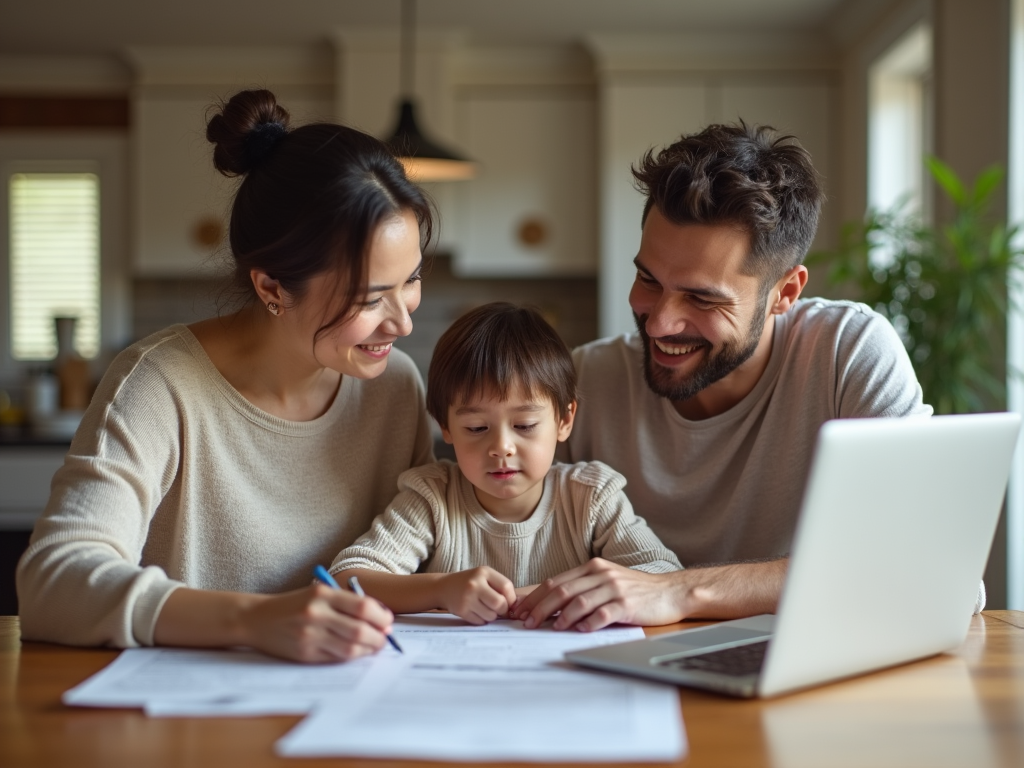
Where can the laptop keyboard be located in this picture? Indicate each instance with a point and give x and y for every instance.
(737, 661)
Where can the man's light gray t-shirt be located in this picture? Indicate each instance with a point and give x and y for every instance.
(729, 488)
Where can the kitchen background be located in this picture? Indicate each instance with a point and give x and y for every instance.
(553, 100)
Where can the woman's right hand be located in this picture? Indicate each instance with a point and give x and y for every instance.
(316, 624)
(478, 595)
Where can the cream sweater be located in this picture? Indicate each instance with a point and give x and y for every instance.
(436, 525)
(175, 479)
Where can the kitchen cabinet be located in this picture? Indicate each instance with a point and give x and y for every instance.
(25, 474)
(532, 208)
(182, 202)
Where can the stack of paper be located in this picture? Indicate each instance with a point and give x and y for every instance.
(459, 692)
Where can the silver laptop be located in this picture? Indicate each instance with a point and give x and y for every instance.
(897, 521)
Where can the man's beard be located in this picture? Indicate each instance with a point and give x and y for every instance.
(712, 367)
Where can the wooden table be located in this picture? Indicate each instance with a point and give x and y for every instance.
(961, 709)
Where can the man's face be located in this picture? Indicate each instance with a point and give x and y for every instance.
(700, 317)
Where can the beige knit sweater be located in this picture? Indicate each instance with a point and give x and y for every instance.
(436, 525)
(175, 479)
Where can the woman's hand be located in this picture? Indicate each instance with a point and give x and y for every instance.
(478, 595)
(315, 624)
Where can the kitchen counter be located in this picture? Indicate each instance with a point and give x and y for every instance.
(23, 436)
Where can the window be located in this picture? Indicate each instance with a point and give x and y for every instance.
(54, 261)
(63, 242)
(899, 133)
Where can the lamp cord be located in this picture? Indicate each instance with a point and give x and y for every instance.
(408, 48)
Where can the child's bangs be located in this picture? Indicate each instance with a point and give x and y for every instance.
(500, 376)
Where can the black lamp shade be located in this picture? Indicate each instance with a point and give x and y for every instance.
(425, 160)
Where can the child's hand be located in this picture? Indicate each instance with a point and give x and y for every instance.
(479, 595)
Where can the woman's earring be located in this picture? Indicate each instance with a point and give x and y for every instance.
(273, 308)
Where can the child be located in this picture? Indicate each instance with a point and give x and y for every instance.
(472, 537)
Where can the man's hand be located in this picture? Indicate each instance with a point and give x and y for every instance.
(479, 595)
(600, 593)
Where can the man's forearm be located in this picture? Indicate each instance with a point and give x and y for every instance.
(731, 591)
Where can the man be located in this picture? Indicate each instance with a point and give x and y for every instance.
(712, 408)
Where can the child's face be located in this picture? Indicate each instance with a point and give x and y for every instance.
(505, 449)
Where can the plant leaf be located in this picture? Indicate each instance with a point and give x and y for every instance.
(985, 184)
(948, 180)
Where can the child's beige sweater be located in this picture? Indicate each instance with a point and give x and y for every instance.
(436, 525)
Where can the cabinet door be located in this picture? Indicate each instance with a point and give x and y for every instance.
(182, 202)
(531, 210)
(25, 475)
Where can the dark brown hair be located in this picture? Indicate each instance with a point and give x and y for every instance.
(311, 198)
(495, 348)
(746, 176)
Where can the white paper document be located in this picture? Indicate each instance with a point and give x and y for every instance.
(171, 682)
(498, 692)
(459, 692)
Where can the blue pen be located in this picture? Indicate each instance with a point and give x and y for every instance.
(323, 575)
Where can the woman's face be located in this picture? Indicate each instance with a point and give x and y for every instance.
(360, 345)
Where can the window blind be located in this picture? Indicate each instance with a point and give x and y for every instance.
(55, 261)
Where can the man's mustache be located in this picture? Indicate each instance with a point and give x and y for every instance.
(680, 340)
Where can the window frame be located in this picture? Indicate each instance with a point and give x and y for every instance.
(104, 152)
(900, 121)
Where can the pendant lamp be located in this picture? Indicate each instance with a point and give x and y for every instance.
(423, 159)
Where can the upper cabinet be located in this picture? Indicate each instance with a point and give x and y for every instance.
(554, 130)
(180, 202)
(532, 209)
(526, 115)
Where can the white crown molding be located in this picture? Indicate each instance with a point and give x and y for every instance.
(629, 53)
(96, 75)
(235, 66)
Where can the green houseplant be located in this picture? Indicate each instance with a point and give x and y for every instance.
(943, 288)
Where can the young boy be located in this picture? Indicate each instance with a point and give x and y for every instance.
(472, 537)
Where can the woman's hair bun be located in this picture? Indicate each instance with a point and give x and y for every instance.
(245, 131)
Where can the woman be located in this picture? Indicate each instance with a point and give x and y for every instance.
(219, 462)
